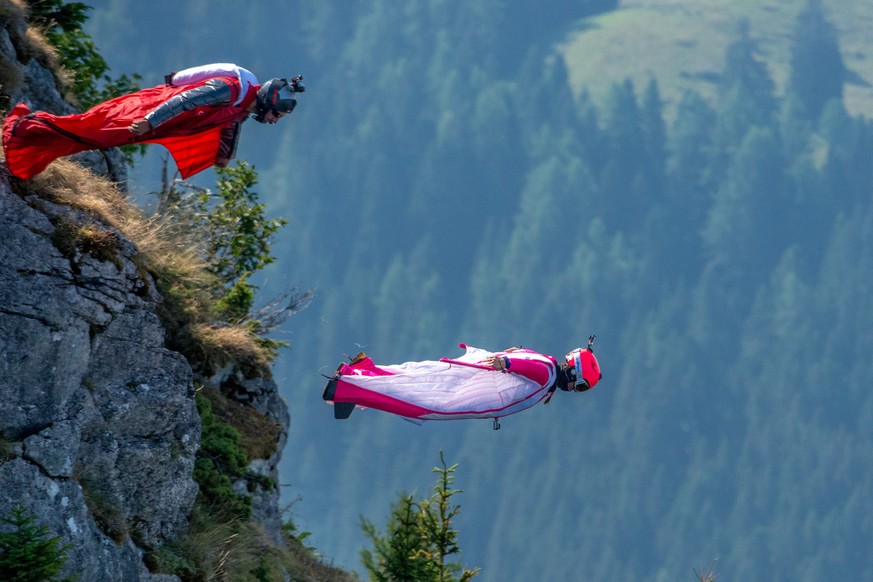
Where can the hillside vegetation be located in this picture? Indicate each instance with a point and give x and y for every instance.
(681, 43)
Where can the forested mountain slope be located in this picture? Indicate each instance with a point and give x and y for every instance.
(446, 178)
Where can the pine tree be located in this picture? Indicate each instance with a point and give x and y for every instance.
(747, 92)
(420, 538)
(655, 140)
(690, 178)
(440, 536)
(744, 67)
(817, 68)
(29, 553)
(395, 554)
(620, 176)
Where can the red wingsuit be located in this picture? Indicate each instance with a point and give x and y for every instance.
(32, 141)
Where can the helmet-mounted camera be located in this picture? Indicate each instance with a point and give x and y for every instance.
(582, 367)
(278, 96)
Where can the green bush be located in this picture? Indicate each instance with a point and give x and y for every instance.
(29, 553)
(233, 232)
(239, 233)
(220, 461)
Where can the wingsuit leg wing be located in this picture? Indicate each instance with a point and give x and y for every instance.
(31, 143)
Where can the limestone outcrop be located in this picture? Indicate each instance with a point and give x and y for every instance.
(97, 417)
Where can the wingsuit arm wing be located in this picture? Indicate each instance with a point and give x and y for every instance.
(192, 153)
(537, 371)
(213, 92)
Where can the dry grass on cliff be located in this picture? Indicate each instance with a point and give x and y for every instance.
(68, 183)
(224, 344)
(171, 256)
(221, 550)
(11, 79)
(30, 43)
(216, 549)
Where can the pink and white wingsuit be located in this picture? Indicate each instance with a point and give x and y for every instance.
(447, 389)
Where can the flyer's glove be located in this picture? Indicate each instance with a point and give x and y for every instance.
(499, 363)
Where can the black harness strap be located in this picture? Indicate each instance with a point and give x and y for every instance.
(551, 392)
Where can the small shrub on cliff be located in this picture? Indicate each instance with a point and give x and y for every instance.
(231, 234)
(7, 453)
(29, 553)
(238, 232)
(259, 434)
(220, 461)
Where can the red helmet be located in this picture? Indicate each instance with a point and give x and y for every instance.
(583, 368)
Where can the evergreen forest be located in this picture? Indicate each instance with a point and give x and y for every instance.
(444, 181)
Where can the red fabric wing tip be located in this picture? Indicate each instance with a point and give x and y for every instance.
(193, 153)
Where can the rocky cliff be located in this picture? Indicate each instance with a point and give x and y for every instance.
(99, 430)
(99, 424)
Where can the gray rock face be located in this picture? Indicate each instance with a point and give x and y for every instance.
(98, 426)
(59, 505)
(100, 415)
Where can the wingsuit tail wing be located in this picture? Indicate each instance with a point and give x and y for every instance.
(343, 410)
